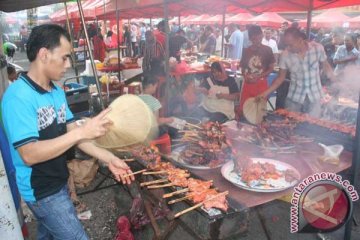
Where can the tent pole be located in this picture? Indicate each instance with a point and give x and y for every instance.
(223, 32)
(179, 22)
(118, 38)
(90, 52)
(309, 18)
(167, 54)
(105, 15)
(354, 171)
(72, 42)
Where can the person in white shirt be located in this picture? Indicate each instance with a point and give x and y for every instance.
(218, 42)
(268, 41)
(134, 44)
(236, 42)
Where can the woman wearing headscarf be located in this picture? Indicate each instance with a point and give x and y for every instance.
(220, 92)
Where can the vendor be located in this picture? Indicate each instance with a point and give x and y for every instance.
(220, 92)
(303, 60)
(41, 128)
(256, 64)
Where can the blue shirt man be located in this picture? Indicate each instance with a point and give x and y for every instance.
(236, 43)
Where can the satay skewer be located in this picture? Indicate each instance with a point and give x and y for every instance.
(193, 125)
(195, 153)
(167, 195)
(134, 173)
(185, 140)
(154, 173)
(128, 159)
(161, 186)
(188, 131)
(189, 196)
(153, 182)
(200, 204)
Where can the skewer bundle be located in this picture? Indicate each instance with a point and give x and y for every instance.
(207, 145)
(301, 117)
(200, 192)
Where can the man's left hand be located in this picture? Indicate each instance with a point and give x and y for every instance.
(120, 170)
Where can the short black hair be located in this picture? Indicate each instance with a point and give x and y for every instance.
(254, 30)
(109, 33)
(148, 79)
(181, 31)
(44, 36)
(216, 66)
(295, 32)
(352, 36)
(10, 69)
(294, 25)
(161, 25)
(209, 28)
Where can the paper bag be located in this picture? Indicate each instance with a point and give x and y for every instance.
(83, 171)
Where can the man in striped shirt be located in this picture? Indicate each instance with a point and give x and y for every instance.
(303, 60)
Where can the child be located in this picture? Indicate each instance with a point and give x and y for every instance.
(150, 85)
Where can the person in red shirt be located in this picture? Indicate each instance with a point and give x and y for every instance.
(98, 43)
(159, 33)
(256, 64)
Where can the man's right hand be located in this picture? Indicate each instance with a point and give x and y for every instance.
(97, 126)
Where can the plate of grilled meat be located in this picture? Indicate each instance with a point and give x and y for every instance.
(260, 174)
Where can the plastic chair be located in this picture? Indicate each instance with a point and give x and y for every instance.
(163, 143)
(270, 79)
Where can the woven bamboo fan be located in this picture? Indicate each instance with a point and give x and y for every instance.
(133, 123)
(254, 110)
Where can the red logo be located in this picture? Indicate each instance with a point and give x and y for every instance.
(326, 206)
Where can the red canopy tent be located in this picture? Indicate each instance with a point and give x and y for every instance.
(60, 15)
(89, 9)
(354, 22)
(240, 18)
(268, 19)
(182, 19)
(328, 19)
(73, 11)
(217, 19)
(252, 6)
(202, 19)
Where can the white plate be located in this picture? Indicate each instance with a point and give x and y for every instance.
(280, 183)
(175, 155)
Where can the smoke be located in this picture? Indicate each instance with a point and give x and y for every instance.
(343, 105)
(349, 82)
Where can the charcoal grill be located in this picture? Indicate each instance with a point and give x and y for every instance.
(199, 223)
